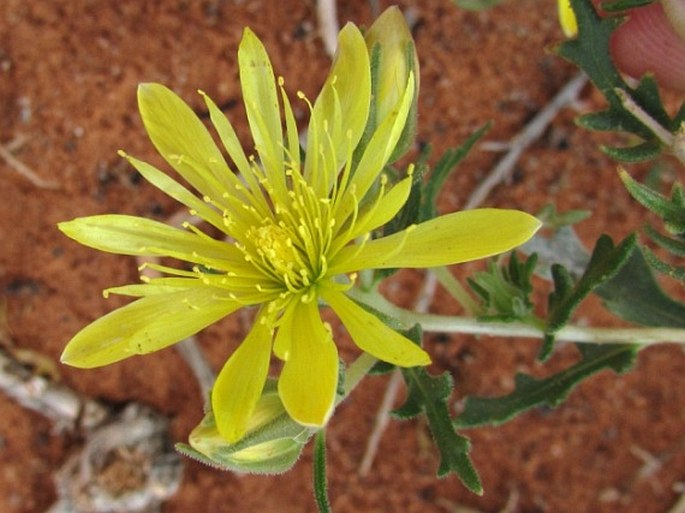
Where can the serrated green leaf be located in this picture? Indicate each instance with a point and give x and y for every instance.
(552, 391)
(590, 51)
(605, 262)
(634, 295)
(429, 394)
(447, 163)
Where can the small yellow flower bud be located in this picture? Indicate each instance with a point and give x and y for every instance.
(272, 444)
(393, 59)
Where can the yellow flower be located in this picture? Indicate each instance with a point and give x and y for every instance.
(567, 18)
(293, 234)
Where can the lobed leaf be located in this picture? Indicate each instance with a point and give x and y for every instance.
(530, 392)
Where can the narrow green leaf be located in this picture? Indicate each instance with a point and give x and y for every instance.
(639, 153)
(429, 394)
(552, 391)
(623, 5)
(447, 163)
(674, 246)
(662, 267)
(671, 210)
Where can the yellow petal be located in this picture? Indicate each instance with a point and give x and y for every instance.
(175, 190)
(309, 378)
(240, 382)
(182, 139)
(372, 335)
(391, 38)
(131, 235)
(234, 149)
(384, 209)
(449, 239)
(146, 325)
(377, 153)
(342, 108)
(261, 104)
(158, 286)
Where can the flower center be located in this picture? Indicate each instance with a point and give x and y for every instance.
(279, 257)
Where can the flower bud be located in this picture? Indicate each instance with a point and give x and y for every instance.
(393, 59)
(272, 444)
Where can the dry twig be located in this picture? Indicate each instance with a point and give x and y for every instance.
(530, 133)
(23, 169)
(328, 24)
(127, 463)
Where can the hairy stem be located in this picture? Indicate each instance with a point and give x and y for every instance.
(571, 333)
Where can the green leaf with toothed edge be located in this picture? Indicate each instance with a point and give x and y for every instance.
(531, 392)
(590, 51)
(430, 394)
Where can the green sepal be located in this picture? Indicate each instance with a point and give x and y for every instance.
(273, 448)
(605, 262)
(429, 394)
(530, 392)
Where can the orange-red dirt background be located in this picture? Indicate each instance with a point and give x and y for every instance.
(68, 76)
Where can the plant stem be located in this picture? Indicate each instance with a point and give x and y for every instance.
(456, 289)
(319, 468)
(571, 333)
(356, 371)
